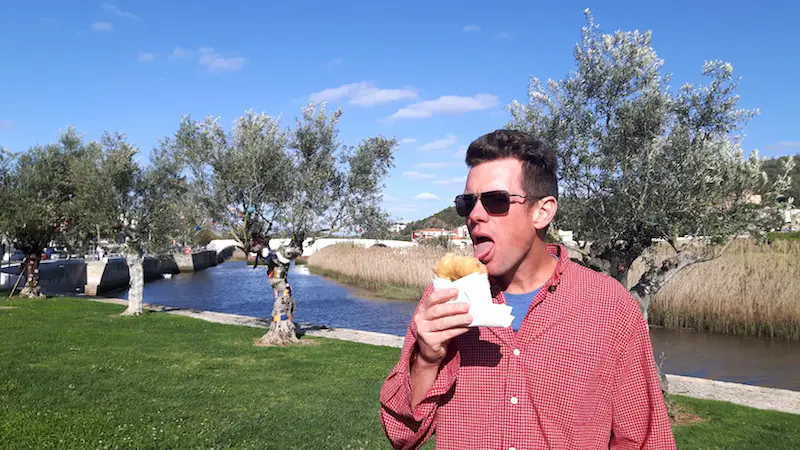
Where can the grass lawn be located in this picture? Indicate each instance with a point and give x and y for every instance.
(75, 375)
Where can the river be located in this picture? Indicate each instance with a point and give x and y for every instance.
(233, 287)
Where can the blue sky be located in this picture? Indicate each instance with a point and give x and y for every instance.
(433, 74)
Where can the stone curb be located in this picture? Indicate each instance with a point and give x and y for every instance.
(742, 394)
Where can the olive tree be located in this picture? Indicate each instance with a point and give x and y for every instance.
(140, 205)
(642, 164)
(262, 181)
(40, 201)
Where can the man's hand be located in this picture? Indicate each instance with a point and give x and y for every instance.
(438, 322)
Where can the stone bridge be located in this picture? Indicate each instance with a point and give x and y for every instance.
(224, 247)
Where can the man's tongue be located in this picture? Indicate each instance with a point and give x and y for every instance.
(482, 249)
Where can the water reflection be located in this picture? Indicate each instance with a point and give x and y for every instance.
(235, 288)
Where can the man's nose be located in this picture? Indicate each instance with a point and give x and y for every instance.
(478, 213)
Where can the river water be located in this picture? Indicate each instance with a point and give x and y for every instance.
(233, 287)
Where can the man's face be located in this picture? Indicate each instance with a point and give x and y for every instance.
(500, 241)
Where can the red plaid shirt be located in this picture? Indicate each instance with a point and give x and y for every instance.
(579, 374)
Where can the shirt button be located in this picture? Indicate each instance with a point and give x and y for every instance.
(516, 353)
(514, 400)
(512, 448)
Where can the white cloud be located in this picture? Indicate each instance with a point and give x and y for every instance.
(502, 35)
(389, 198)
(209, 58)
(146, 57)
(412, 175)
(446, 105)
(461, 152)
(364, 93)
(217, 63)
(438, 165)
(336, 61)
(115, 10)
(439, 144)
(470, 28)
(426, 196)
(178, 53)
(408, 141)
(6, 124)
(102, 26)
(456, 180)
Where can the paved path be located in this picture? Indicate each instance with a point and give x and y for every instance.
(742, 394)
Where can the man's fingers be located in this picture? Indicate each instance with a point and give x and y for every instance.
(446, 335)
(441, 296)
(445, 309)
(447, 322)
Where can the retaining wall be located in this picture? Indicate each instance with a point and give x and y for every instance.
(95, 277)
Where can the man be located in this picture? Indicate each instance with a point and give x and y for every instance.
(576, 368)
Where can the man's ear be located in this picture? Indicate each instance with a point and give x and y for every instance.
(544, 211)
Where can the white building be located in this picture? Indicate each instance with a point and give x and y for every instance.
(397, 227)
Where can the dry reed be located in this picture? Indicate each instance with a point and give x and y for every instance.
(750, 290)
(377, 268)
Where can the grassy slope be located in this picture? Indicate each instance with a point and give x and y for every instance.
(76, 375)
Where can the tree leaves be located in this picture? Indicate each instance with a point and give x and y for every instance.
(640, 161)
(298, 182)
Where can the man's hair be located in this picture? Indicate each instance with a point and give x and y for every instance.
(539, 163)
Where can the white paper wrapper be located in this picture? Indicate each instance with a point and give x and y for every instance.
(475, 290)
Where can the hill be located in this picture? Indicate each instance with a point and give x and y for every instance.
(446, 218)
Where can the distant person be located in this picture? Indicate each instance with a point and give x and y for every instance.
(575, 370)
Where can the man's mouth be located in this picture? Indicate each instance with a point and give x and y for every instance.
(482, 248)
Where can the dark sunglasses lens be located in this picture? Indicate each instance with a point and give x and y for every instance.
(464, 204)
(496, 202)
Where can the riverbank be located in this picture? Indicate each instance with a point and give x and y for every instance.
(76, 374)
(748, 291)
(374, 289)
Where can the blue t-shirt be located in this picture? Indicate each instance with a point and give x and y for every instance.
(519, 304)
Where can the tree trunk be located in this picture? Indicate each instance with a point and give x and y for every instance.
(652, 281)
(282, 328)
(655, 278)
(32, 288)
(136, 290)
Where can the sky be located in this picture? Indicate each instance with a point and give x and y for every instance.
(435, 75)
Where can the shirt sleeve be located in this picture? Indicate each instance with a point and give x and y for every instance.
(640, 419)
(407, 429)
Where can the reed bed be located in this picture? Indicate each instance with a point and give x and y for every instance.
(398, 273)
(752, 289)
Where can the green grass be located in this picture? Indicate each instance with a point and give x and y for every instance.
(76, 375)
(789, 236)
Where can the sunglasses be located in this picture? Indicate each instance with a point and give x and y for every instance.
(494, 202)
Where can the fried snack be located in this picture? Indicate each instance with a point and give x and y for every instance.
(452, 267)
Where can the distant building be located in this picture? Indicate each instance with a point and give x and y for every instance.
(457, 236)
(397, 227)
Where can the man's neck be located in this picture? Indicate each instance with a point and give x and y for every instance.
(531, 273)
